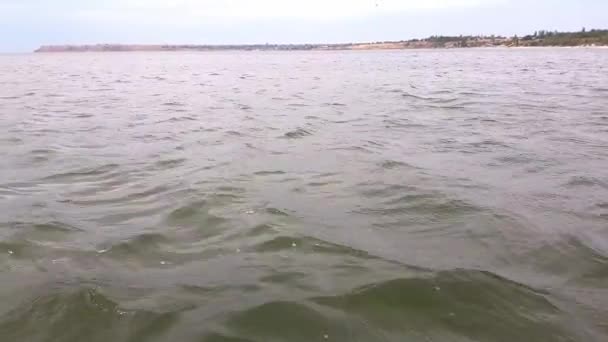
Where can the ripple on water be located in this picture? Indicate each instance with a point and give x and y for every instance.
(144, 247)
(393, 164)
(584, 181)
(487, 145)
(276, 212)
(178, 119)
(145, 196)
(167, 164)
(456, 305)
(424, 205)
(42, 155)
(402, 207)
(173, 104)
(234, 133)
(416, 97)
(472, 304)
(85, 174)
(269, 173)
(83, 313)
(198, 218)
(571, 256)
(305, 245)
(297, 134)
(47, 231)
(319, 184)
(517, 159)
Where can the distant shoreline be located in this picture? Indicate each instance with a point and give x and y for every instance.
(76, 51)
(584, 38)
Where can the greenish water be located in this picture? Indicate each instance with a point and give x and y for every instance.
(444, 195)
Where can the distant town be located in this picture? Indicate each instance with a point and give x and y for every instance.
(540, 38)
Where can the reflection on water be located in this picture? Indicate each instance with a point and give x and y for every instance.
(445, 195)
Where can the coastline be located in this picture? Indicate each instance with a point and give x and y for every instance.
(598, 47)
(582, 39)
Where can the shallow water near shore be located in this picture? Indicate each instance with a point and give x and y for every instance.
(432, 195)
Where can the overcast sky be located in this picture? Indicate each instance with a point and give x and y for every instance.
(26, 24)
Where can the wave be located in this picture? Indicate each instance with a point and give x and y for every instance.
(456, 306)
(81, 314)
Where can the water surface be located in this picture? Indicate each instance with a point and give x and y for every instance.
(442, 195)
